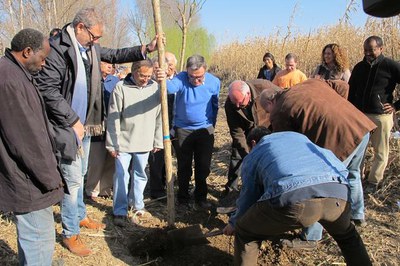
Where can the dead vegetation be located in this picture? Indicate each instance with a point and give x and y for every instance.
(242, 60)
(146, 243)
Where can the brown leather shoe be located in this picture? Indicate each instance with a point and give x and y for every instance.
(76, 246)
(91, 224)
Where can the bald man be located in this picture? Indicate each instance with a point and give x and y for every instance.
(243, 112)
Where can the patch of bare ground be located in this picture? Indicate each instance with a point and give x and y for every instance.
(146, 243)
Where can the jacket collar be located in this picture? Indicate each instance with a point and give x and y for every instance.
(376, 61)
(129, 81)
(64, 38)
(11, 57)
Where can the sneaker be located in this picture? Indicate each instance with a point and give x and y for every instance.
(297, 243)
(229, 199)
(359, 222)
(226, 210)
(120, 220)
(142, 214)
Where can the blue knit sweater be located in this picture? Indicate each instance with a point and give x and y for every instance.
(195, 107)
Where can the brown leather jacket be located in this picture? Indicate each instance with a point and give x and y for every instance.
(327, 119)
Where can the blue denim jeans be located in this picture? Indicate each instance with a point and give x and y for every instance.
(73, 209)
(36, 237)
(353, 164)
(123, 195)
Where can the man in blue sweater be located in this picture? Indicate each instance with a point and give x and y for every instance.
(289, 183)
(196, 106)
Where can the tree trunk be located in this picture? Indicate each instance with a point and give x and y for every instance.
(183, 49)
(164, 110)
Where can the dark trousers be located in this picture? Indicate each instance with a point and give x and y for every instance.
(263, 221)
(234, 170)
(157, 174)
(197, 145)
(156, 160)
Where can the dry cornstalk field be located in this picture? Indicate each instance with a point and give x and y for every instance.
(145, 243)
(242, 60)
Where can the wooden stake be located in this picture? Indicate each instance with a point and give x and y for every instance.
(164, 110)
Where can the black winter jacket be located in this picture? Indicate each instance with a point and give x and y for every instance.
(56, 82)
(261, 75)
(30, 179)
(372, 85)
(241, 123)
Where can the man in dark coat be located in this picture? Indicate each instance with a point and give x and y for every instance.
(30, 180)
(372, 83)
(71, 87)
(243, 113)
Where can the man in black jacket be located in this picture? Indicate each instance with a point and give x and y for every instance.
(372, 83)
(30, 180)
(243, 113)
(71, 86)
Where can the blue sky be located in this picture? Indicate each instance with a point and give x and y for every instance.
(235, 19)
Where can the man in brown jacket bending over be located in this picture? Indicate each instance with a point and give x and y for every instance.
(316, 110)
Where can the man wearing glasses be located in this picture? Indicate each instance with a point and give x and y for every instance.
(70, 84)
(196, 106)
(243, 113)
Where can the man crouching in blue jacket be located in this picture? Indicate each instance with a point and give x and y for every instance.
(290, 183)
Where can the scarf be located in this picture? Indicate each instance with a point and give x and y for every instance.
(93, 121)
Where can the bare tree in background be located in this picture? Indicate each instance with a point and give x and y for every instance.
(116, 28)
(140, 20)
(187, 9)
(44, 15)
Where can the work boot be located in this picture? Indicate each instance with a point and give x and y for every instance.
(76, 246)
(91, 224)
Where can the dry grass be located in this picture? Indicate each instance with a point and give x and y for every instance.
(119, 246)
(242, 60)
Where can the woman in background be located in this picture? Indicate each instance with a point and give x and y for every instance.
(335, 64)
(269, 70)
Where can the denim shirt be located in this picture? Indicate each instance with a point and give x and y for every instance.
(283, 162)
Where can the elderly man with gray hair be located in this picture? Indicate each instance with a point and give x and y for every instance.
(243, 113)
(196, 107)
(71, 87)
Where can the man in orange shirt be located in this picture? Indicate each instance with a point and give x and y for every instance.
(290, 76)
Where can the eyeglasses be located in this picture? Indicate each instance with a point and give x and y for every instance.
(143, 76)
(242, 102)
(92, 36)
(196, 78)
